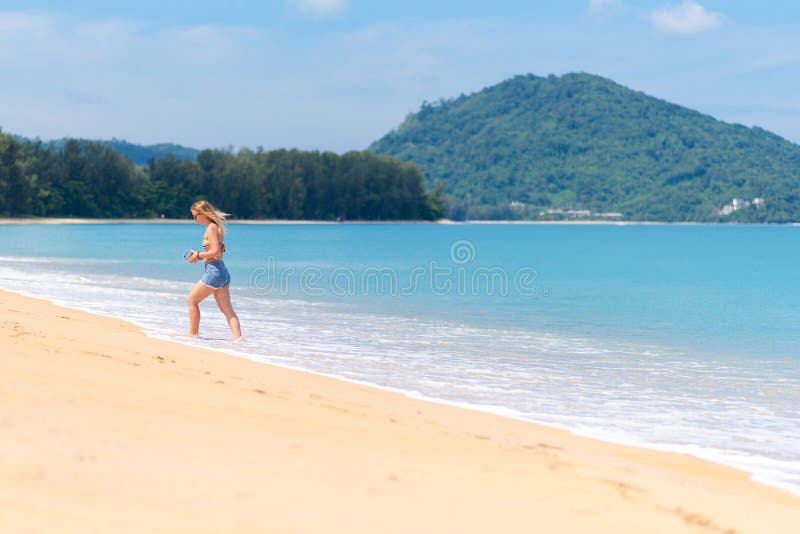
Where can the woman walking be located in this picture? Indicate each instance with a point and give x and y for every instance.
(216, 279)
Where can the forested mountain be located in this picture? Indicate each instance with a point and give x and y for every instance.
(138, 154)
(89, 179)
(581, 145)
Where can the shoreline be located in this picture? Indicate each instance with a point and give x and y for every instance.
(62, 220)
(73, 374)
(496, 411)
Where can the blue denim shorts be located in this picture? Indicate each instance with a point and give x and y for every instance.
(216, 275)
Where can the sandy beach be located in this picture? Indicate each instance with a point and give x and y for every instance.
(103, 429)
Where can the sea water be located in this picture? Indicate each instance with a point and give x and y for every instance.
(673, 337)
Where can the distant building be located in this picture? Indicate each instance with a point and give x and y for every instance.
(569, 212)
(737, 204)
(578, 213)
(552, 211)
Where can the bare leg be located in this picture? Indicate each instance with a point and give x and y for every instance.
(223, 298)
(199, 292)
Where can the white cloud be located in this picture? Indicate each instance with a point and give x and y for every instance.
(125, 79)
(11, 22)
(603, 10)
(599, 7)
(320, 8)
(689, 17)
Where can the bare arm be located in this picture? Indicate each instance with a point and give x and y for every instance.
(212, 233)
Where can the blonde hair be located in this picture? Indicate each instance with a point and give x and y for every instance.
(216, 216)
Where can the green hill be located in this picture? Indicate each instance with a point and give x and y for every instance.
(137, 154)
(581, 145)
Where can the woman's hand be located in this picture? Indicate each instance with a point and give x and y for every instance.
(194, 256)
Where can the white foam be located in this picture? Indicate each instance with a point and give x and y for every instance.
(57, 261)
(630, 393)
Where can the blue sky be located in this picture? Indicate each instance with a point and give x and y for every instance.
(338, 74)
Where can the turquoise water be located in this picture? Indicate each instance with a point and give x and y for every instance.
(673, 337)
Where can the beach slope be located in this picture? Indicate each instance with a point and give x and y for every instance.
(104, 429)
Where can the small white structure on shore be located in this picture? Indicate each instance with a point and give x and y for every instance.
(577, 213)
(737, 204)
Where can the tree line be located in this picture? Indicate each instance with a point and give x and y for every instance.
(87, 179)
